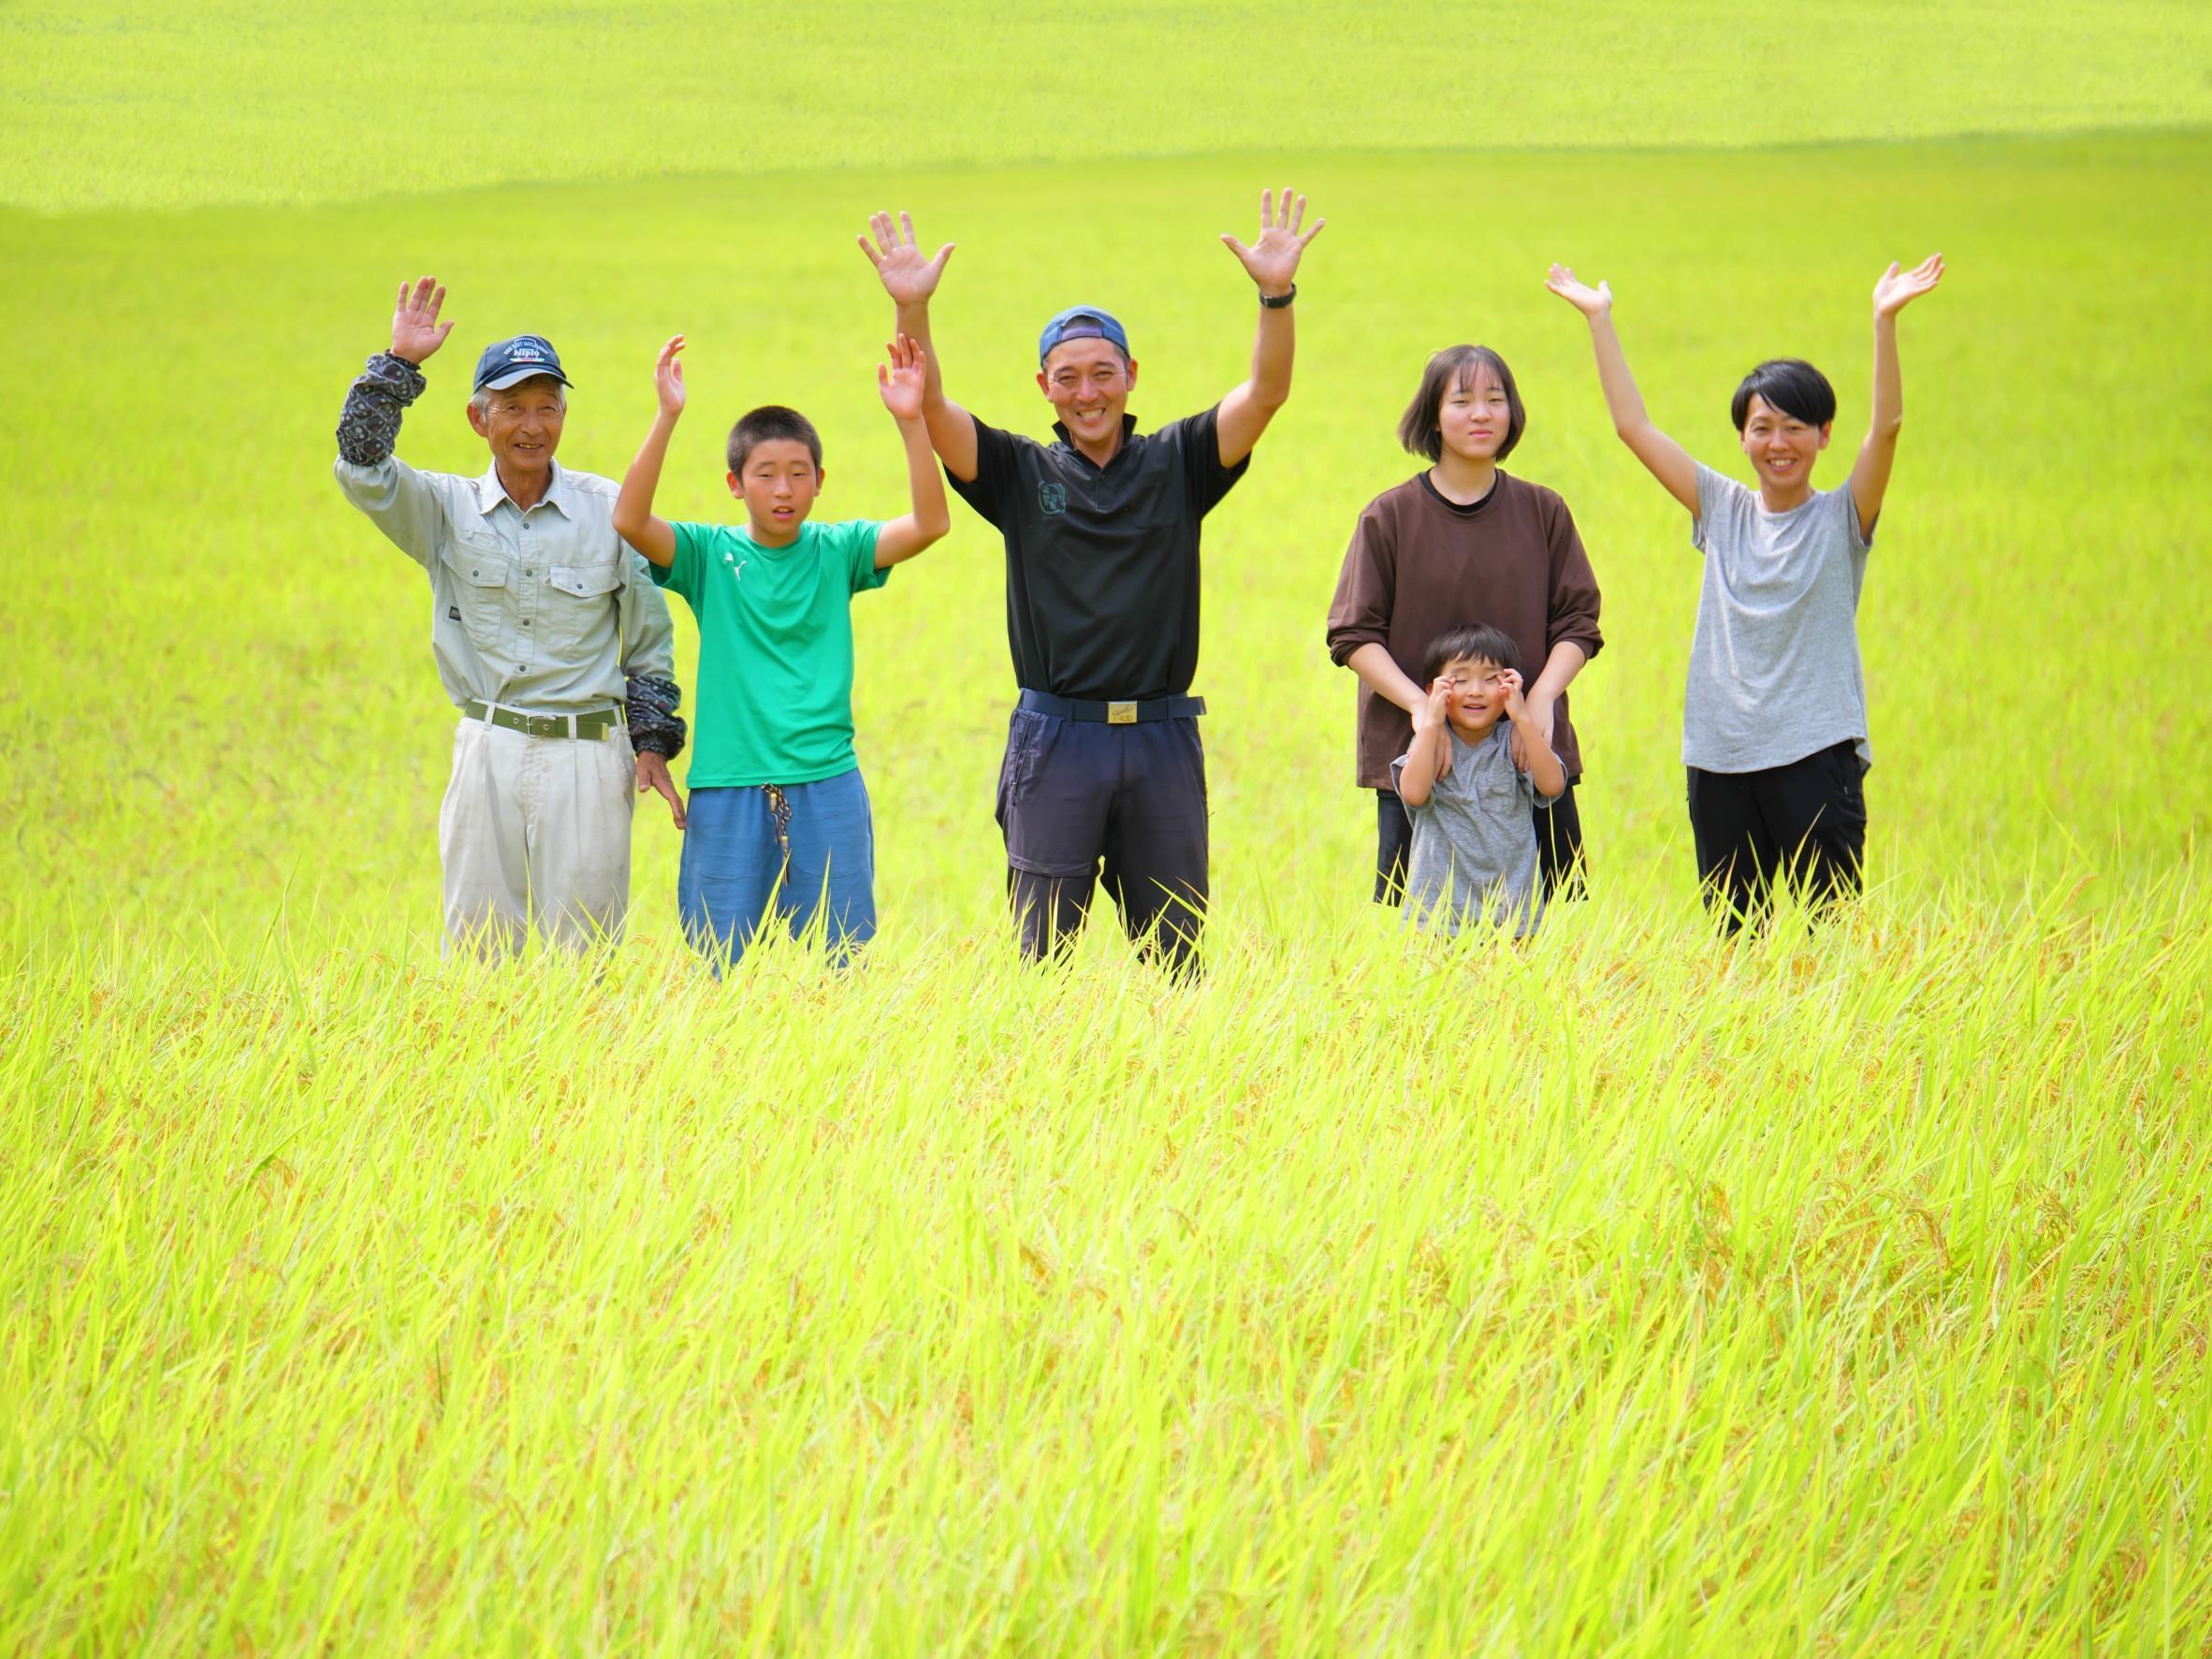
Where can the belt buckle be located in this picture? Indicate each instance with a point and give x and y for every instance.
(1121, 714)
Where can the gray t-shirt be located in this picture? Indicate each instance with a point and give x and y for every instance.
(1474, 840)
(1774, 672)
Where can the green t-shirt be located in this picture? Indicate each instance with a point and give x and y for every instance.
(775, 692)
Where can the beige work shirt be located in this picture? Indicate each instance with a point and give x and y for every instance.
(547, 610)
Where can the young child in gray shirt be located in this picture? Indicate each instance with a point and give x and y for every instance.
(1477, 763)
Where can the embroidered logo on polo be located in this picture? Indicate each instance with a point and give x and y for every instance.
(1052, 497)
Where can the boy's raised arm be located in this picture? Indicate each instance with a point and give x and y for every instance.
(1272, 262)
(1665, 459)
(635, 521)
(1869, 473)
(903, 383)
(911, 278)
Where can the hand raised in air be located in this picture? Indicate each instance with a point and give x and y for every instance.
(909, 275)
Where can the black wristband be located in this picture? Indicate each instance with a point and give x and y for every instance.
(1277, 302)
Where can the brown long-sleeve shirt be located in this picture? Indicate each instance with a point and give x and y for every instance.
(1418, 566)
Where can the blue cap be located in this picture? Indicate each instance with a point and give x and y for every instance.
(1082, 322)
(510, 362)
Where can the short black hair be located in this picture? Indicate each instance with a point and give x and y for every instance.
(1790, 384)
(765, 425)
(1474, 642)
(1420, 429)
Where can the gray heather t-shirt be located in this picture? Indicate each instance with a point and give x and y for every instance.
(1473, 841)
(1774, 672)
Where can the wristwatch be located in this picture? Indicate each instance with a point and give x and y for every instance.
(1277, 301)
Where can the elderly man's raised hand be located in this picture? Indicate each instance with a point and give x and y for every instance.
(1273, 260)
(668, 378)
(416, 332)
(909, 275)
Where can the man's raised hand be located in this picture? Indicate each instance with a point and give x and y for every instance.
(668, 377)
(1899, 288)
(1591, 302)
(904, 379)
(1273, 260)
(909, 275)
(415, 329)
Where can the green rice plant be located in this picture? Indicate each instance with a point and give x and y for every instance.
(1842, 1292)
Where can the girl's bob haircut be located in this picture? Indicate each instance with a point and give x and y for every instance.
(1422, 428)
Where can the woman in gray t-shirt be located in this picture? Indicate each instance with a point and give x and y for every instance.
(1774, 723)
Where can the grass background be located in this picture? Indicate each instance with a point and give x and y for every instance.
(140, 103)
(1631, 1293)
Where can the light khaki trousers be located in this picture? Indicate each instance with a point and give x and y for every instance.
(535, 828)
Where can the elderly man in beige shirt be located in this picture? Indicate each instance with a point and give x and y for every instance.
(549, 635)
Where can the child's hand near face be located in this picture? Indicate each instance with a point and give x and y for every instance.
(904, 379)
(1432, 713)
(1516, 707)
(668, 378)
(1433, 710)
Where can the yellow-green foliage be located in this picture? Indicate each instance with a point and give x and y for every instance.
(1837, 1292)
(165, 103)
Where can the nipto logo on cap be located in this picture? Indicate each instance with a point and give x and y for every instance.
(1082, 322)
(510, 362)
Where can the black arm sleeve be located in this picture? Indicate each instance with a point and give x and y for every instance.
(654, 724)
(368, 423)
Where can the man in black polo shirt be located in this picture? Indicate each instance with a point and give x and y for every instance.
(1103, 765)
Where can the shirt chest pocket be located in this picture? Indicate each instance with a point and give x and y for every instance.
(1498, 790)
(482, 575)
(578, 604)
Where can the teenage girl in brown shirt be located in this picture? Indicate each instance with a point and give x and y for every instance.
(1462, 542)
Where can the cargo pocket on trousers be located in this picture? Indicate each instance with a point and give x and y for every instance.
(1024, 736)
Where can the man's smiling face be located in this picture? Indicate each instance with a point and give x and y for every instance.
(522, 425)
(1088, 383)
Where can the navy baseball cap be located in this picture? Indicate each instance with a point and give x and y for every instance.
(510, 362)
(1082, 322)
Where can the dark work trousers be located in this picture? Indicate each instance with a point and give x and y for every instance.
(1079, 797)
(1559, 846)
(1804, 824)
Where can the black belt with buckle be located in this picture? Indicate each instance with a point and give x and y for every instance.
(595, 725)
(1115, 713)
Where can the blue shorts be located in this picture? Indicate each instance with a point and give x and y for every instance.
(796, 851)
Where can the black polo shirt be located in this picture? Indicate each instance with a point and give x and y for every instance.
(1101, 562)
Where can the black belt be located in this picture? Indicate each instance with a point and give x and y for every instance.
(1113, 714)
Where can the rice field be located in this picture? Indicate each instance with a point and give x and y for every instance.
(1836, 1292)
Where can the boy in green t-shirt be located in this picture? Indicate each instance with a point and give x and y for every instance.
(778, 817)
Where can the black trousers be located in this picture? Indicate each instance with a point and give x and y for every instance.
(1559, 846)
(1080, 801)
(1804, 824)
